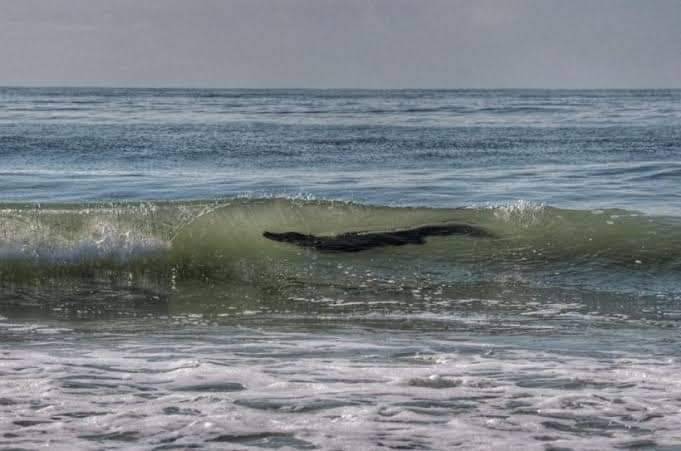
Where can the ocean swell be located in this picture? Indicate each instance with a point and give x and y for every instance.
(207, 239)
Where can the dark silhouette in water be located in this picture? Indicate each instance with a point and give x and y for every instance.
(361, 241)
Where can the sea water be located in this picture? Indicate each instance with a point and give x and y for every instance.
(142, 308)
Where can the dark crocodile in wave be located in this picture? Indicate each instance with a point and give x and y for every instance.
(361, 241)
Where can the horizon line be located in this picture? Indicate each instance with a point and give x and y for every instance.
(283, 88)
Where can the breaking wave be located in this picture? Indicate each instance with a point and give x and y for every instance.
(215, 233)
(205, 240)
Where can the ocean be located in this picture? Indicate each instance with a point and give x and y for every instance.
(141, 307)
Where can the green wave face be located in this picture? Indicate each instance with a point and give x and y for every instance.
(224, 241)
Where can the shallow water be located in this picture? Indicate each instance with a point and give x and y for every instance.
(141, 307)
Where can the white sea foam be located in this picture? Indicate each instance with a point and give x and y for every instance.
(249, 388)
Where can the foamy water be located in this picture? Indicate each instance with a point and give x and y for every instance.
(265, 385)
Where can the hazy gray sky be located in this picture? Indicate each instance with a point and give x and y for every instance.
(342, 43)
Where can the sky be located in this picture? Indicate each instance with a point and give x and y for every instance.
(342, 43)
